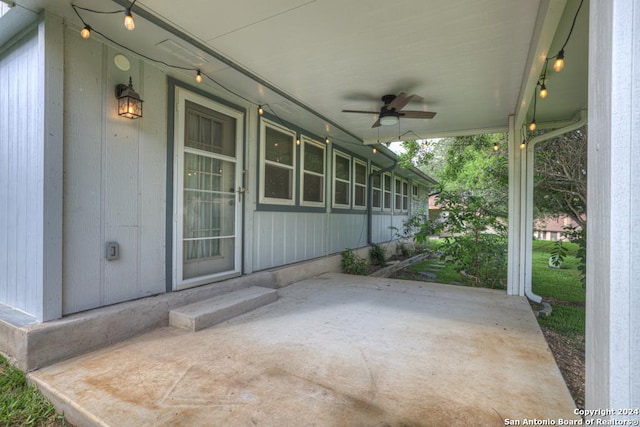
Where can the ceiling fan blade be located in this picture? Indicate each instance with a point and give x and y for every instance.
(417, 114)
(376, 124)
(400, 101)
(397, 101)
(359, 111)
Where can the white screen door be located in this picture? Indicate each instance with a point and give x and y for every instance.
(207, 206)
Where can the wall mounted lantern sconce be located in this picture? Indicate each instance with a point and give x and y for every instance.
(129, 102)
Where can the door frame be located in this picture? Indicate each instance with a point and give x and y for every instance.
(178, 97)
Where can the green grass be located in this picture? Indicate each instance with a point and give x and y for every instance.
(559, 283)
(448, 273)
(22, 404)
(562, 285)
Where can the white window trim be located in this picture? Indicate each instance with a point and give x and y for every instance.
(307, 140)
(337, 153)
(263, 162)
(373, 189)
(354, 184)
(397, 191)
(405, 196)
(391, 194)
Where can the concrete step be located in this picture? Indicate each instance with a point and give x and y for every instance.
(209, 312)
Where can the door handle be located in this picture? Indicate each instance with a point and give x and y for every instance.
(240, 191)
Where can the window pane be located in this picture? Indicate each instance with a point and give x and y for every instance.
(313, 188)
(313, 158)
(405, 203)
(359, 195)
(279, 147)
(343, 170)
(209, 130)
(376, 198)
(361, 173)
(277, 183)
(387, 200)
(341, 196)
(377, 180)
(387, 183)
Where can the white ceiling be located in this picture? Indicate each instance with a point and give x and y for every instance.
(470, 60)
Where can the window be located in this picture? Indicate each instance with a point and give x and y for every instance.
(414, 191)
(313, 170)
(376, 184)
(386, 180)
(359, 184)
(341, 180)
(398, 200)
(405, 196)
(277, 150)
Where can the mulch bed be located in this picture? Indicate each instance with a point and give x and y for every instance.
(569, 355)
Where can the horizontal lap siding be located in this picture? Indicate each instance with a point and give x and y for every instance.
(21, 177)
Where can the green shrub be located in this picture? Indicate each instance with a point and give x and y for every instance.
(353, 264)
(377, 255)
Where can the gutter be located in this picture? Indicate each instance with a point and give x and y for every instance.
(579, 120)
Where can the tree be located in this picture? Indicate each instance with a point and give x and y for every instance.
(560, 182)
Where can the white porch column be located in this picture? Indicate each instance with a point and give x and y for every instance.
(515, 266)
(613, 231)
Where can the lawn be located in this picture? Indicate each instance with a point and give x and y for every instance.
(22, 404)
(562, 287)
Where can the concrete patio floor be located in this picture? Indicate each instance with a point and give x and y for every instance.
(336, 350)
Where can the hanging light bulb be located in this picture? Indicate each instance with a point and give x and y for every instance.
(532, 125)
(522, 145)
(326, 140)
(543, 91)
(199, 77)
(85, 32)
(260, 110)
(297, 141)
(129, 23)
(495, 146)
(558, 65)
(374, 150)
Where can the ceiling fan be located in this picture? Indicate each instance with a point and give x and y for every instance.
(391, 111)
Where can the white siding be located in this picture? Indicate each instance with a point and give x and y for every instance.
(115, 177)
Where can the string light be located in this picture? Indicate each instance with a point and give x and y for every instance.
(374, 150)
(543, 91)
(522, 145)
(129, 23)
(558, 64)
(297, 141)
(87, 30)
(85, 33)
(532, 125)
(495, 146)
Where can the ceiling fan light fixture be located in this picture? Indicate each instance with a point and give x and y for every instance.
(388, 119)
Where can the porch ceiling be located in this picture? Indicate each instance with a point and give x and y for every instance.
(473, 62)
